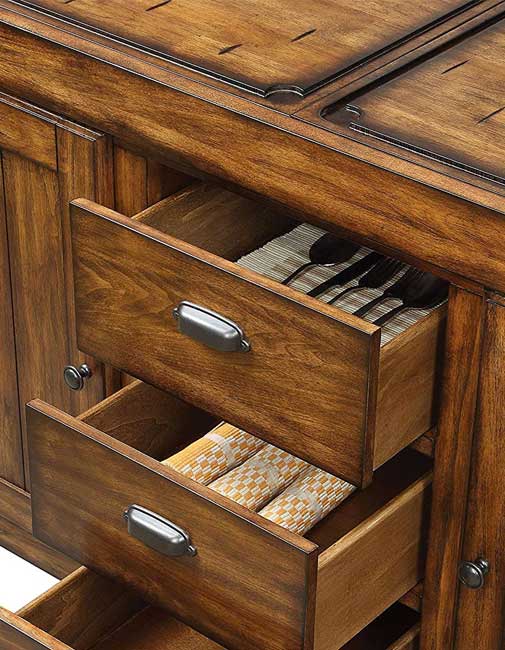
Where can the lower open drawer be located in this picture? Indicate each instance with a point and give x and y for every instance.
(88, 612)
(251, 583)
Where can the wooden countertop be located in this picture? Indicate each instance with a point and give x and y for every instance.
(278, 148)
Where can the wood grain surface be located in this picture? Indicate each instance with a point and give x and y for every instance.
(261, 46)
(416, 111)
(83, 480)
(408, 385)
(46, 162)
(82, 609)
(372, 566)
(17, 634)
(481, 613)
(11, 446)
(416, 214)
(75, 614)
(15, 505)
(21, 542)
(205, 215)
(453, 458)
(307, 360)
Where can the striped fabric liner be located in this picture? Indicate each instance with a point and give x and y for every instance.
(216, 453)
(254, 483)
(282, 255)
(312, 496)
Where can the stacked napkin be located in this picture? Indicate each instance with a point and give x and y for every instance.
(254, 483)
(261, 477)
(312, 496)
(216, 453)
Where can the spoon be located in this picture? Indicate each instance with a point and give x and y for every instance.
(425, 292)
(396, 290)
(378, 275)
(348, 274)
(328, 250)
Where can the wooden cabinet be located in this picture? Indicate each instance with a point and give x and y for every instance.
(46, 161)
(382, 122)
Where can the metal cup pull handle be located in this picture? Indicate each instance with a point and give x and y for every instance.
(211, 329)
(158, 533)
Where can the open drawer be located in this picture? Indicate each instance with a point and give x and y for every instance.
(307, 377)
(251, 583)
(88, 612)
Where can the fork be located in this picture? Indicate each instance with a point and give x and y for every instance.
(396, 290)
(378, 275)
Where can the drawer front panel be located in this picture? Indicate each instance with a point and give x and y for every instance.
(308, 382)
(248, 586)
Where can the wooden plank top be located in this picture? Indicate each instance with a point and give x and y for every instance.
(263, 46)
(298, 160)
(449, 110)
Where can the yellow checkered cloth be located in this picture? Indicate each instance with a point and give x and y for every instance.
(216, 453)
(307, 500)
(260, 478)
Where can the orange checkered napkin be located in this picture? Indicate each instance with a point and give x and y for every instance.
(260, 478)
(307, 500)
(216, 453)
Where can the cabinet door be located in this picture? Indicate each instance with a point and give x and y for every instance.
(481, 612)
(11, 467)
(45, 162)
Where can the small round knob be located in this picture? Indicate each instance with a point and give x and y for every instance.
(472, 574)
(74, 377)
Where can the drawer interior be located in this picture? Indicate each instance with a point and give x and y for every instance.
(86, 611)
(268, 243)
(100, 459)
(312, 359)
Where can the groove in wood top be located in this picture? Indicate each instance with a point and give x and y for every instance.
(271, 44)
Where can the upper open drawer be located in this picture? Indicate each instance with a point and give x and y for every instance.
(303, 375)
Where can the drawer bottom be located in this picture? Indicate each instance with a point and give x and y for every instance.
(86, 611)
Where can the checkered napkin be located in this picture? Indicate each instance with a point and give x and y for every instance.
(259, 479)
(283, 255)
(311, 496)
(216, 453)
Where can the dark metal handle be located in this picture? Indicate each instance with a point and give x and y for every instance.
(158, 533)
(210, 328)
(473, 574)
(74, 376)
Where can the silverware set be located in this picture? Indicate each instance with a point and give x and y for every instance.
(414, 289)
